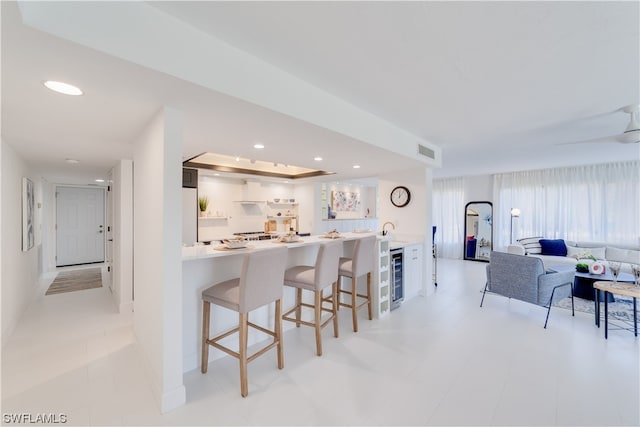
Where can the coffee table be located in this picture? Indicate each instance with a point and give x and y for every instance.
(583, 282)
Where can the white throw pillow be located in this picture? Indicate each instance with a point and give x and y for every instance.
(531, 245)
(598, 253)
(623, 255)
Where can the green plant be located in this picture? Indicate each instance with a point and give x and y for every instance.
(582, 267)
(203, 202)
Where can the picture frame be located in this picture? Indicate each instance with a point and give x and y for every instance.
(345, 201)
(28, 214)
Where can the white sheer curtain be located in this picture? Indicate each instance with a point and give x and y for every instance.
(448, 216)
(586, 203)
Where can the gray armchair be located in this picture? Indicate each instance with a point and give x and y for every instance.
(524, 278)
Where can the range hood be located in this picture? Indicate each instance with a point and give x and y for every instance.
(252, 192)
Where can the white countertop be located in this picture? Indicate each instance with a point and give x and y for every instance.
(209, 251)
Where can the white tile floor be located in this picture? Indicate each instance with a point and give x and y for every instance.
(439, 360)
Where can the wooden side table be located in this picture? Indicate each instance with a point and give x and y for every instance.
(625, 289)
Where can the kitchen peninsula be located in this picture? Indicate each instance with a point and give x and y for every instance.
(204, 265)
(258, 208)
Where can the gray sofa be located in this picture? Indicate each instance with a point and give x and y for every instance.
(624, 254)
(524, 278)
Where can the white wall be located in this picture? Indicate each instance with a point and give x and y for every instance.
(48, 261)
(122, 199)
(415, 219)
(305, 193)
(19, 269)
(157, 252)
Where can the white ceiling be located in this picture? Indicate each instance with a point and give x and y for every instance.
(496, 84)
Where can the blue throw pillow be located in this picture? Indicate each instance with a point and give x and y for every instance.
(553, 247)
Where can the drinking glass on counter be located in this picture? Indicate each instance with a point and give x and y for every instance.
(615, 270)
(635, 269)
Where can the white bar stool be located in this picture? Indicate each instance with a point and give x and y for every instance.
(260, 283)
(316, 279)
(362, 263)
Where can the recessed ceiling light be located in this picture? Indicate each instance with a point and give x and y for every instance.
(356, 166)
(317, 159)
(216, 174)
(99, 180)
(72, 161)
(64, 88)
(258, 146)
(237, 159)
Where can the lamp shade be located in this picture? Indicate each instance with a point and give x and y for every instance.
(515, 212)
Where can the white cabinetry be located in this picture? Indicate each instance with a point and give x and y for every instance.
(382, 280)
(413, 260)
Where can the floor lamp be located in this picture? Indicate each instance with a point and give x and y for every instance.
(515, 212)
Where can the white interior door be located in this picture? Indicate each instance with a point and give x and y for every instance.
(80, 226)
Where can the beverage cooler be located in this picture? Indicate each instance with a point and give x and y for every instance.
(397, 277)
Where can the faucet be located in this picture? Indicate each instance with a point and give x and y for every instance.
(384, 232)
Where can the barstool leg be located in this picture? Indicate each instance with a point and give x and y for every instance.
(338, 292)
(334, 307)
(318, 326)
(298, 306)
(278, 331)
(244, 388)
(206, 313)
(369, 296)
(354, 307)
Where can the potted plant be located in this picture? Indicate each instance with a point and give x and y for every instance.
(203, 202)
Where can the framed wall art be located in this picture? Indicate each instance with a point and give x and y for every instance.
(28, 214)
(345, 201)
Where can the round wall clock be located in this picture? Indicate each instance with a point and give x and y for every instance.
(400, 196)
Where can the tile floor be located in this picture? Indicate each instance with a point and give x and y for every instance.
(439, 360)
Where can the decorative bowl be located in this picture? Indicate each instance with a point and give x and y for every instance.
(289, 238)
(235, 243)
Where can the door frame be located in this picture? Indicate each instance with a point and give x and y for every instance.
(55, 217)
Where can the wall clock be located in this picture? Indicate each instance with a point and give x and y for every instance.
(400, 196)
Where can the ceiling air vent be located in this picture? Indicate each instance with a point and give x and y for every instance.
(427, 152)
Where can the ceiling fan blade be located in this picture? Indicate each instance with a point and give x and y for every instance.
(629, 137)
(612, 138)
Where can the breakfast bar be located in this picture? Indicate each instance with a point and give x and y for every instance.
(204, 265)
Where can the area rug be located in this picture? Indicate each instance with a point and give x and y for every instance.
(76, 280)
(621, 309)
